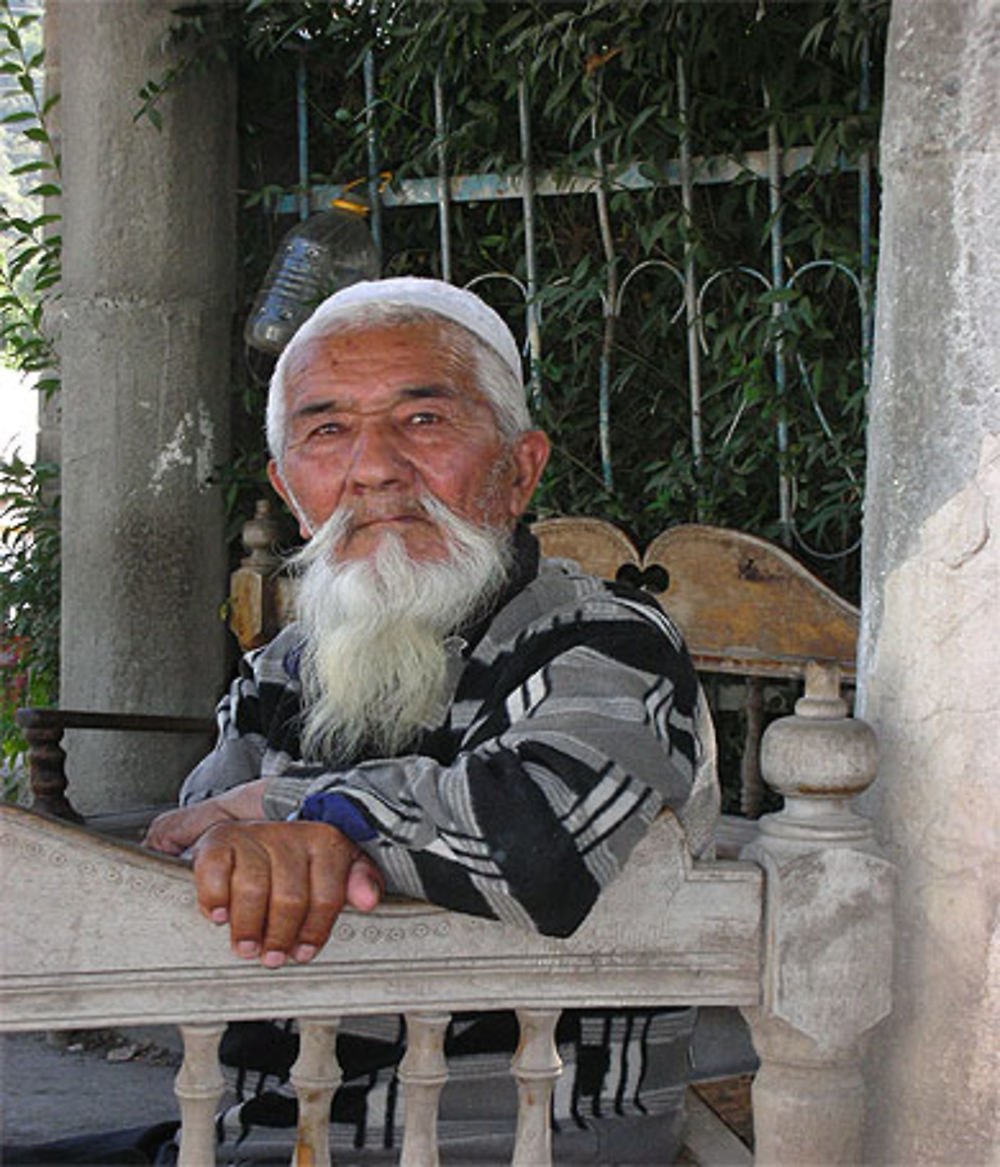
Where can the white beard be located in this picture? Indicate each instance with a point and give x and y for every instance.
(374, 669)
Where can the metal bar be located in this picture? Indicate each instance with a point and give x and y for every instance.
(470, 188)
(371, 133)
(610, 314)
(690, 289)
(444, 210)
(865, 223)
(302, 129)
(777, 310)
(530, 255)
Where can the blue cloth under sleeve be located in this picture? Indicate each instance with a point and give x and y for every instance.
(340, 812)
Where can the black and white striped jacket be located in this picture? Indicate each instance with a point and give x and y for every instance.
(576, 715)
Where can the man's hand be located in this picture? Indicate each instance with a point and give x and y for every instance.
(281, 886)
(175, 830)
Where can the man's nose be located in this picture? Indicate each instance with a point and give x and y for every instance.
(377, 461)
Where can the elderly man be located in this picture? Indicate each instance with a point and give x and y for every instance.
(448, 717)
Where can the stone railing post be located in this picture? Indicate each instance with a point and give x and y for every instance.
(199, 1087)
(536, 1066)
(315, 1077)
(423, 1073)
(828, 932)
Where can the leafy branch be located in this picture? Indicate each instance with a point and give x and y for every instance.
(30, 274)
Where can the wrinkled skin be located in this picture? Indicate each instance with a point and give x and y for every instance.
(281, 886)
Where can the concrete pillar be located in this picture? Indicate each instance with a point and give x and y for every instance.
(149, 273)
(931, 596)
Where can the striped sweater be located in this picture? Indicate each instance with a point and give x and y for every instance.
(574, 716)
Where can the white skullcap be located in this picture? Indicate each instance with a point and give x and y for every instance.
(456, 304)
(452, 304)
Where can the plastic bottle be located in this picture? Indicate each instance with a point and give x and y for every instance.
(315, 258)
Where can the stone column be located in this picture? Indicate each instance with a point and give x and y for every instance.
(149, 274)
(931, 627)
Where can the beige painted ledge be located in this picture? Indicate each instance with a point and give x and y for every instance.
(102, 933)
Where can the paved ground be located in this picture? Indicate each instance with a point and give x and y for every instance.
(93, 1081)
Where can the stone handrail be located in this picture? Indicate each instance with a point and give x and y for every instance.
(113, 937)
(102, 933)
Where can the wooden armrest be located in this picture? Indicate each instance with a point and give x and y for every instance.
(61, 719)
(43, 729)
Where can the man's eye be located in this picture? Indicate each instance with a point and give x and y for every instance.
(424, 417)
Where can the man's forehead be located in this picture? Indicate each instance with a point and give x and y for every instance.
(420, 355)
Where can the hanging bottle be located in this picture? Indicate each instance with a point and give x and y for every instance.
(316, 258)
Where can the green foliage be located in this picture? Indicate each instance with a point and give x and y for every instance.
(29, 594)
(30, 269)
(604, 80)
(29, 281)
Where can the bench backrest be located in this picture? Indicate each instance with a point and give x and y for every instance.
(744, 605)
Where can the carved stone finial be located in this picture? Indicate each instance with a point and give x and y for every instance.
(820, 758)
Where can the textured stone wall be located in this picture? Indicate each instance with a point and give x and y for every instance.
(146, 321)
(931, 626)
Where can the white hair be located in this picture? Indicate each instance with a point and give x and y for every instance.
(477, 338)
(376, 666)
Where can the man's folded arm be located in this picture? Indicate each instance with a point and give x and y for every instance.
(529, 824)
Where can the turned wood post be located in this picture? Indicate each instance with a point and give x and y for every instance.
(254, 590)
(827, 929)
(46, 764)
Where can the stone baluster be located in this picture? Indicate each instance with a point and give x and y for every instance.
(254, 600)
(315, 1076)
(828, 932)
(199, 1086)
(423, 1072)
(536, 1066)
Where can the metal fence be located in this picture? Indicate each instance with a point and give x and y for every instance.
(694, 288)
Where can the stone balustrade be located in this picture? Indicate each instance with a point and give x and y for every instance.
(797, 934)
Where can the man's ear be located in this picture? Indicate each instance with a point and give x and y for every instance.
(530, 453)
(274, 474)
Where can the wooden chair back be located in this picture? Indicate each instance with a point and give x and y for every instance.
(744, 605)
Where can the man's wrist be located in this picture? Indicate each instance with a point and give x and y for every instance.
(282, 796)
(244, 802)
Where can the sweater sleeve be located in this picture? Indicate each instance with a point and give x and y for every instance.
(587, 724)
(239, 746)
